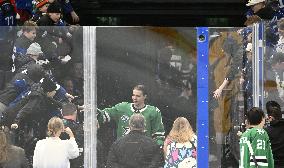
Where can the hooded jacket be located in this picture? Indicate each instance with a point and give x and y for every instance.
(275, 133)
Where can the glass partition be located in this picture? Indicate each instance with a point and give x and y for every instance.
(273, 65)
(116, 59)
(230, 92)
(163, 59)
(272, 83)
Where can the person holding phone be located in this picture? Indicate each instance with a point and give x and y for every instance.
(53, 152)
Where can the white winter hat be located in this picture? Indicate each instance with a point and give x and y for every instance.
(253, 2)
(34, 49)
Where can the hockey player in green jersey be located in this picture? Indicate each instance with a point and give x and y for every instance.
(122, 112)
(255, 149)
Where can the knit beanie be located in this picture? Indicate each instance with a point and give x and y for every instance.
(48, 85)
(34, 49)
(35, 72)
(54, 8)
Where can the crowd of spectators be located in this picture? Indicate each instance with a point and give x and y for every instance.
(41, 72)
(41, 76)
(17, 12)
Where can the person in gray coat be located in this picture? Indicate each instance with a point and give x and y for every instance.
(11, 156)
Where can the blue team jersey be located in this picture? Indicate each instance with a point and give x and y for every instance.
(25, 5)
(66, 6)
(7, 14)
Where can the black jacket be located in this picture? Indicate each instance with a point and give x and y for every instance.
(134, 150)
(275, 132)
(20, 48)
(10, 92)
(17, 158)
(22, 43)
(45, 21)
(24, 62)
(35, 107)
(78, 131)
(48, 38)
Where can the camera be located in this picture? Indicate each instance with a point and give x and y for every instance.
(241, 127)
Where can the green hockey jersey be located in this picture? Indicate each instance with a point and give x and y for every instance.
(255, 141)
(122, 112)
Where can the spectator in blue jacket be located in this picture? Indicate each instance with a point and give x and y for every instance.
(23, 42)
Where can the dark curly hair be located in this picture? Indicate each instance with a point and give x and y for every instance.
(255, 116)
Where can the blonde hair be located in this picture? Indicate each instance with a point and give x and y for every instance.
(55, 125)
(29, 26)
(181, 131)
(4, 145)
